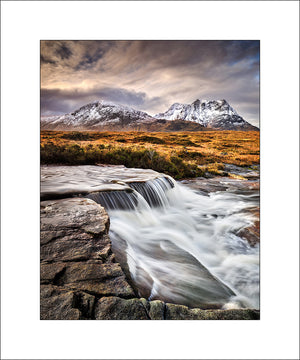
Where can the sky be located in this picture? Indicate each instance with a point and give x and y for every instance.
(150, 75)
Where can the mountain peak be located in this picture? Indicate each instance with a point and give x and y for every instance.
(215, 114)
(95, 115)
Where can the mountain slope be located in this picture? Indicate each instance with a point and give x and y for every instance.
(96, 115)
(214, 114)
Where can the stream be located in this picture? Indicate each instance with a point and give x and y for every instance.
(177, 241)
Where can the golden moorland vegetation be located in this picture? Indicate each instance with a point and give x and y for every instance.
(179, 154)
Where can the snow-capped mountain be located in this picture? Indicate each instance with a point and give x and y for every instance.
(215, 114)
(96, 115)
(104, 115)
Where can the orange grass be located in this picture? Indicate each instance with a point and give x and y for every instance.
(206, 149)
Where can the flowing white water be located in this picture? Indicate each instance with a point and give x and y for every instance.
(176, 244)
(168, 248)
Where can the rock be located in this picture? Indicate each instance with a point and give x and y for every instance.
(68, 214)
(203, 290)
(50, 273)
(57, 304)
(252, 233)
(98, 279)
(180, 312)
(85, 303)
(157, 309)
(73, 230)
(115, 308)
(76, 259)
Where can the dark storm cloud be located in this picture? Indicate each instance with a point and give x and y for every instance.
(63, 52)
(88, 61)
(57, 101)
(150, 75)
(45, 60)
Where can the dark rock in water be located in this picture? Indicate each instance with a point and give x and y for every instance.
(203, 289)
(252, 233)
(113, 308)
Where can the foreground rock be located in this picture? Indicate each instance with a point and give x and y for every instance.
(80, 278)
(77, 264)
(112, 308)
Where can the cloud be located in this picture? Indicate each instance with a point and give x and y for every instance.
(150, 75)
(63, 52)
(58, 101)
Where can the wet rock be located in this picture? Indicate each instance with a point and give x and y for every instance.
(115, 308)
(252, 233)
(203, 289)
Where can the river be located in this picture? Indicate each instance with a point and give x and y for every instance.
(179, 242)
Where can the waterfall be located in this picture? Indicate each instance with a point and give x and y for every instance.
(175, 242)
(112, 200)
(154, 192)
(181, 246)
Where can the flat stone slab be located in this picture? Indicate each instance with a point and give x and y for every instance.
(73, 229)
(63, 181)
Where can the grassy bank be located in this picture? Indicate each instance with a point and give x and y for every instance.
(178, 154)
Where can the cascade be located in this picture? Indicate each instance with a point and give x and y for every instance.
(180, 246)
(174, 243)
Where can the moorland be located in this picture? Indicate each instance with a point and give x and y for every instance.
(179, 154)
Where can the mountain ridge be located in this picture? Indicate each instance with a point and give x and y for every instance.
(215, 114)
(105, 115)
